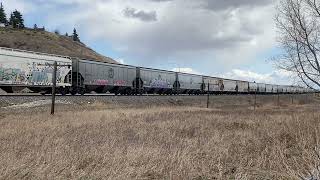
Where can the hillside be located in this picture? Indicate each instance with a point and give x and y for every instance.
(46, 42)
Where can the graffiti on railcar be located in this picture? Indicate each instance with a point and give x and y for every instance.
(30, 74)
(101, 82)
(160, 83)
(120, 82)
(12, 74)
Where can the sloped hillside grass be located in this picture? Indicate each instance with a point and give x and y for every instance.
(47, 42)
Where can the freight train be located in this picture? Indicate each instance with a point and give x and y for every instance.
(21, 69)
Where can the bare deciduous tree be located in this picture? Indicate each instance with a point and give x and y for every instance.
(298, 23)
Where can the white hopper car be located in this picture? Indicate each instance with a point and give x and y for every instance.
(23, 69)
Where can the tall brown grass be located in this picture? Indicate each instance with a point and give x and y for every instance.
(163, 143)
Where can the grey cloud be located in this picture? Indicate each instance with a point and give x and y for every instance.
(161, 0)
(142, 15)
(182, 31)
(229, 4)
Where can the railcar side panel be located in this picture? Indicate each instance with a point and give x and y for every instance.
(274, 89)
(253, 87)
(261, 87)
(229, 85)
(269, 88)
(190, 81)
(157, 79)
(29, 69)
(105, 74)
(243, 86)
(215, 84)
(280, 89)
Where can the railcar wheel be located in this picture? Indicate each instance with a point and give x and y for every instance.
(63, 91)
(73, 92)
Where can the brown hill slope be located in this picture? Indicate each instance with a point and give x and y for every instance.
(46, 42)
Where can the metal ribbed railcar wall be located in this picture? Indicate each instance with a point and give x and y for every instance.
(190, 81)
(99, 74)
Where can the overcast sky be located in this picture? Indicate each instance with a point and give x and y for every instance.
(230, 38)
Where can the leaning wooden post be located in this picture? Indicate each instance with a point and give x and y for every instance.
(54, 84)
(278, 99)
(208, 96)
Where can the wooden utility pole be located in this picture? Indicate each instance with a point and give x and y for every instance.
(54, 80)
(208, 95)
(54, 84)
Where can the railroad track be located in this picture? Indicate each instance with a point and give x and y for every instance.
(143, 95)
(86, 95)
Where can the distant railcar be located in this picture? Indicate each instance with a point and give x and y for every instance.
(269, 88)
(158, 81)
(230, 86)
(289, 89)
(285, 89)
(215, 84)
(280, 89)
(190, 83)
(243, 86)
(25, 69)
(274, 89)
(103, 77)
(253, 87)
(261, 88)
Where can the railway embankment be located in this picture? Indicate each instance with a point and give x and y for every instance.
(35, 103)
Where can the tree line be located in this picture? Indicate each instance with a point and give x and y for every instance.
(16, 21)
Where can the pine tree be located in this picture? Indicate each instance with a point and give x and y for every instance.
(75, 35)
(57, 32)
(3, 17)
(16, 20)
(11, 20)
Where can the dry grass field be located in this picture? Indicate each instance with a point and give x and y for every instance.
(174, 142)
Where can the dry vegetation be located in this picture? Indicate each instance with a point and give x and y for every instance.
(163, 143)
(46, 42)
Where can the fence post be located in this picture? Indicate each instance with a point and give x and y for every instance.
(54, 84)
(255, 99)
(278, 99)
(208, 96)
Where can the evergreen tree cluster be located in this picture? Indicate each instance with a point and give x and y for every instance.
(16, 20)
(74, 36)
